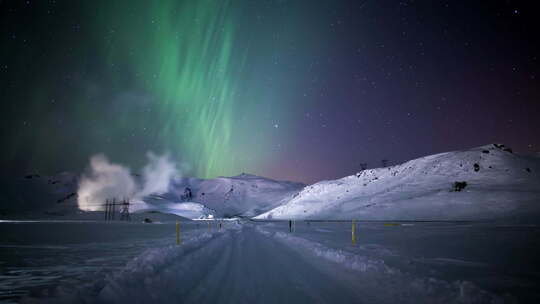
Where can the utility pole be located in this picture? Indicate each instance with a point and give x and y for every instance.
(124, 214)
(106, 208)
(114, 209)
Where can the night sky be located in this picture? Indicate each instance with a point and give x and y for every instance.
(296, 90)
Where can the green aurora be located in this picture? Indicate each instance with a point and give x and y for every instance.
(217, 84)
(185, 58)
(188, 57)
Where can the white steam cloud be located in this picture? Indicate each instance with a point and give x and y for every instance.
(157, 175)
(106, 180)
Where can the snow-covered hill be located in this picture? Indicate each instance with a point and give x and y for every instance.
(492, 183)
(188, 210)
(242, 195)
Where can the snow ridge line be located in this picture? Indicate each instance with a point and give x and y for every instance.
(154, 259)
(146, 269)
(148, 263)
(427, 289)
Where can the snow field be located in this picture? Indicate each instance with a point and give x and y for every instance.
(499, 185)
(401, 286)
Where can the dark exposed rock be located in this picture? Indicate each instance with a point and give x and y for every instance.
(503, 147)
(67, 197)
(458, 186)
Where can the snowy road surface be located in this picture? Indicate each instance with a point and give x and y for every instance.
(263, 263)
(238, 266)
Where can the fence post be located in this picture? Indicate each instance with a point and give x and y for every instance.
(113, 208)
(177, 233)
(353, 232)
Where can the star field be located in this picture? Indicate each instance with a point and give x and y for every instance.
(298, 90)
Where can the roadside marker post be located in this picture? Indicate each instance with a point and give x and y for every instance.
(177, 233)
(353, 232)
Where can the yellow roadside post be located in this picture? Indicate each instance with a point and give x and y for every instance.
(177, 233)
(353, 232)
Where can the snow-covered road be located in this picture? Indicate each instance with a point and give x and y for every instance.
(250, 262)
(238, 265)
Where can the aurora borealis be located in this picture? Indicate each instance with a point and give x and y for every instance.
(165, 76)
(299, 90)
(186, 59)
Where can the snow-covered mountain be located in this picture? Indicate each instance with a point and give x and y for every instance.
(488, 182)
(243, 195)
(482, 183)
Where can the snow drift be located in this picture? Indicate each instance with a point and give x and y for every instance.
(487, 182)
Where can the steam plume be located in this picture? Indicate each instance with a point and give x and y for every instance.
(106, 180)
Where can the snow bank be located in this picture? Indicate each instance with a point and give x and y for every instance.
(417, 289)
(146, 278)
(158, 275)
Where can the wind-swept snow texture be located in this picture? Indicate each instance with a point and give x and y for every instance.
(498, 184)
